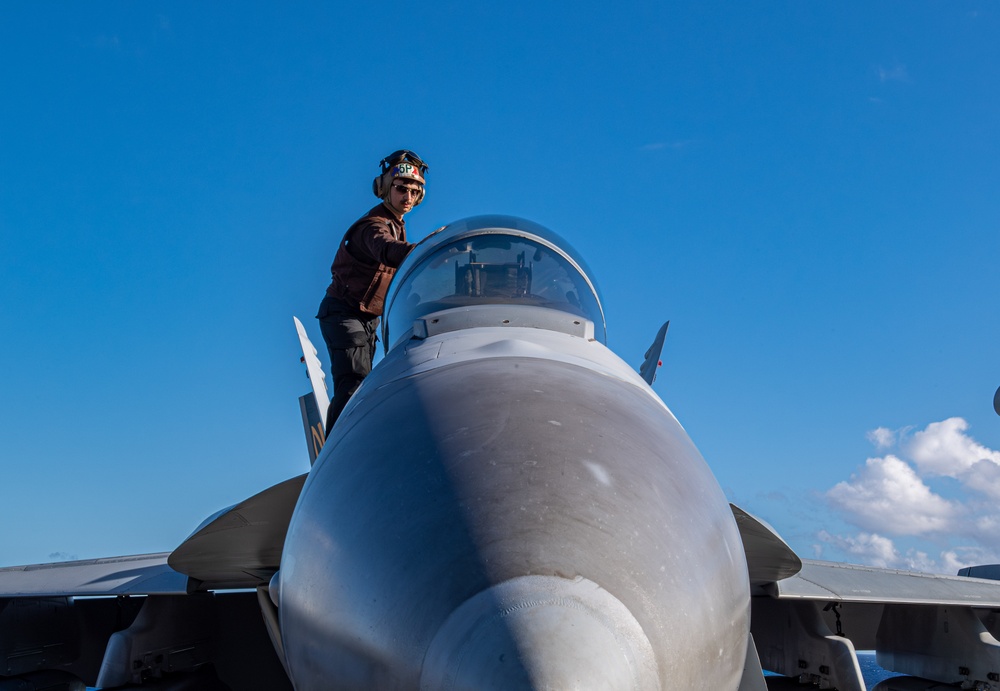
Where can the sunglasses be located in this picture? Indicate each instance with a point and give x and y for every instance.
(408, 191)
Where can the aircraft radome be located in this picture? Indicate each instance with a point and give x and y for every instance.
(504, 504)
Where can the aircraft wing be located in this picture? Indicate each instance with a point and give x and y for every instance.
(240, 547)
(808, 622)
(133, 619)
(835, 582)
(143, 574)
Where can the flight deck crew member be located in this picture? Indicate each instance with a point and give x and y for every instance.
(366, 260)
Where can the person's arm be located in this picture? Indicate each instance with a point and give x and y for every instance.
(377, 241)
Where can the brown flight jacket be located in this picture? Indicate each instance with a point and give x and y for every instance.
(369, 254)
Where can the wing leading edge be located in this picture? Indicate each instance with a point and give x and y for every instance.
(809, 622)
(125, 621)
(142, 574)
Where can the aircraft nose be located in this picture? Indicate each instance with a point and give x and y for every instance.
(541, 632)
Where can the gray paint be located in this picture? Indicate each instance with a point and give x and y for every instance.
(852, 583)
(240, 547)
(141, 574)
(496, 460)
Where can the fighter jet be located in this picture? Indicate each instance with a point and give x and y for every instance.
(503, 504)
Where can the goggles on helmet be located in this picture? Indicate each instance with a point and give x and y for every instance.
(403, 156)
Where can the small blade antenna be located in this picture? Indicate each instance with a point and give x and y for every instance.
(648, 368)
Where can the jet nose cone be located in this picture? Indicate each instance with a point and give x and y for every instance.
(540, 632)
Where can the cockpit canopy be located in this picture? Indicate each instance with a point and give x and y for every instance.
(483, 260)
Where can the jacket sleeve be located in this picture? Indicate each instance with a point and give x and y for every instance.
(377, 241)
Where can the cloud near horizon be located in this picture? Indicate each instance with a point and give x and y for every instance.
(876, 550)
(892, 496)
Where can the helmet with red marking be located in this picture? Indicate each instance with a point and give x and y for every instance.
(400, 164)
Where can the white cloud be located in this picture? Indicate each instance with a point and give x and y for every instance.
(959, 557)
(882, 437)
(944, 449)
(983, 476)
(951, 562)
(988, 525)
(869, 548)
(915, 560)
(888, 495)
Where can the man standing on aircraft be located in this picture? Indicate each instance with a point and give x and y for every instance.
(366, 260)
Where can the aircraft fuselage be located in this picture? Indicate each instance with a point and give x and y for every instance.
(506, 504)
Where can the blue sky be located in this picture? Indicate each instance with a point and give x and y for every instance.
(807, 190)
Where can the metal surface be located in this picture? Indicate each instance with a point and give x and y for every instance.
(502, 316)
(793, 639)
(769, 558)
(512, 635)
(647, 370)
(945, 643)
(240, 547)
(988, 571)
(312, 425)
(932, 626)
(513, 452)
(852, 583)
(139, 574)
(912, 684)
(314, 368)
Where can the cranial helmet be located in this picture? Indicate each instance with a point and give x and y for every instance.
(399, 164)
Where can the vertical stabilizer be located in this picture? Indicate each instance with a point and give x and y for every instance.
(313, 406)
(312, 422)
(648, 368)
